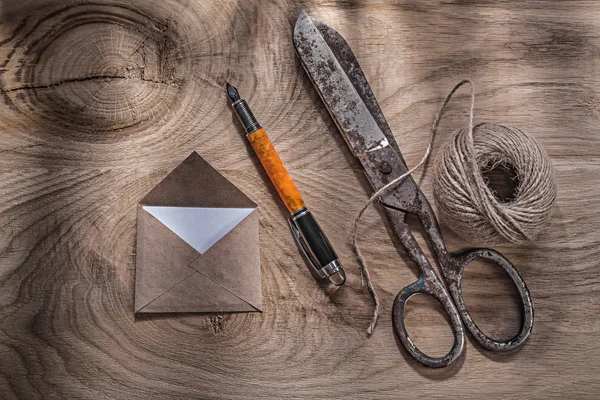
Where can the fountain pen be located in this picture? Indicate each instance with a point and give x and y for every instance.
(309, 236)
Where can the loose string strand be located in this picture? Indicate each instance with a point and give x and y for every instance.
(364, 274)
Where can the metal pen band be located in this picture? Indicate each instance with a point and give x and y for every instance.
(299, 213)
(332, 268)
(244, 114)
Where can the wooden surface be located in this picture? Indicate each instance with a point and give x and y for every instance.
(101, 100)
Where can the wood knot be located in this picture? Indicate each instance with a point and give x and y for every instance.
(216, 323)
(95, 68)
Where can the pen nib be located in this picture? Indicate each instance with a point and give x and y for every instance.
(232, 93)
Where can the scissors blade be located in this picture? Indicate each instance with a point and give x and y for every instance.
(341, 84)
(316, 43)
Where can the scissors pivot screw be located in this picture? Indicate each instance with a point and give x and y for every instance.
(385, 168)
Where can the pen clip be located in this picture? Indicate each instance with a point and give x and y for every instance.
(304, 248)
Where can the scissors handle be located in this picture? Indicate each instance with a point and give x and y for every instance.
(453, 273)
(430, 285)
(453, 267)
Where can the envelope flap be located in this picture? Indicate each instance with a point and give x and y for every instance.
(197, 294)
(194, 183)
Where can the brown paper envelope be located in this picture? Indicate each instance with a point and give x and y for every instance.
(171, 275)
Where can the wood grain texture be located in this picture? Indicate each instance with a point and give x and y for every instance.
(102, 99)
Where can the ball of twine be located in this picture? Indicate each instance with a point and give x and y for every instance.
(470, 207)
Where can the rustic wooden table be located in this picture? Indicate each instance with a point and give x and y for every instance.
(101, 100)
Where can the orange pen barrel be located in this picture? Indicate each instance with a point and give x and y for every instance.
(276, 170)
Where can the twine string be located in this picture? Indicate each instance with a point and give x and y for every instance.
(365, 275)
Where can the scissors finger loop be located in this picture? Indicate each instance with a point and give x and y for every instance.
(454, 285)
(423, 286)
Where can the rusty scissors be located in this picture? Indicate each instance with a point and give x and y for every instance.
(341, 84)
